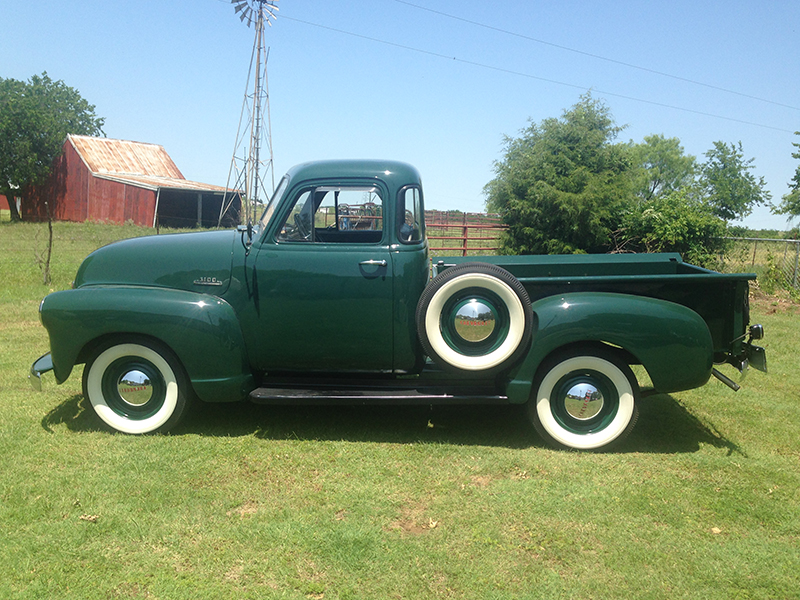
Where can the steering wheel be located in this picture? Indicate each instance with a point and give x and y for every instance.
(302, 226)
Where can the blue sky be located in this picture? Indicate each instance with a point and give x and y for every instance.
(406, 80)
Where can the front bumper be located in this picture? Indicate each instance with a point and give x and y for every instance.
(41, 365)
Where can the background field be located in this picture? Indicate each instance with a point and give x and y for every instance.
(702, 501)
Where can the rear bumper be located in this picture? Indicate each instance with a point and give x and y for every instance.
(756, 357)
(42, 365)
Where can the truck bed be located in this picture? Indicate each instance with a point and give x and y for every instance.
(721, 299)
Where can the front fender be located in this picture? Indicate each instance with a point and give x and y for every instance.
(672, 342)
(202, 330)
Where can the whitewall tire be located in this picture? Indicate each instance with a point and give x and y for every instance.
(474, 317)
(136, 387)
(584, 400)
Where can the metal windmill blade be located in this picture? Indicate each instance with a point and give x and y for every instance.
(269, 8)
(250, 10)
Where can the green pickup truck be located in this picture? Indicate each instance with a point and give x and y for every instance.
(331, 297)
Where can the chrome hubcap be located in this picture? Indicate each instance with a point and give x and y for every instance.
(474, 321)
(135, 388)
(583, 401)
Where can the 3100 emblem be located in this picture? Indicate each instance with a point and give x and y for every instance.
(207, 281)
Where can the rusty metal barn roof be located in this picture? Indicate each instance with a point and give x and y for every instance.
(135, 163)
(161, 182)
(103, 155)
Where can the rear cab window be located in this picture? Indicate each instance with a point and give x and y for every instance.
(410, 215)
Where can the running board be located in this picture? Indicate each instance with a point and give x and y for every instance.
(398, 395)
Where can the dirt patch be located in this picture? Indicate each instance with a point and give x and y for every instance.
(245, 510)
(771, 304)
(481, 481)
(413, 520)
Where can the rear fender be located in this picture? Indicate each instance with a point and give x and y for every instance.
(672, 342)
(202, 330)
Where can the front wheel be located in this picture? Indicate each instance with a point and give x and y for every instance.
(136, 387)
(584, 400)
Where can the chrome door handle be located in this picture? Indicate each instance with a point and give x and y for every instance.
(373, 263)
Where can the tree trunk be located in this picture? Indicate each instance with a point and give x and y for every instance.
(12, 204)
(47, 278)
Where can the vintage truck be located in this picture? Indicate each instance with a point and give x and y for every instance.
(331, 297)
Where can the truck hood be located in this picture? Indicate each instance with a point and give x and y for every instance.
(199, 262)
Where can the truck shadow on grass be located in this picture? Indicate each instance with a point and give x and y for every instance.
(664, 426)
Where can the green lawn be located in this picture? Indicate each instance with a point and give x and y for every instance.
(702, 501)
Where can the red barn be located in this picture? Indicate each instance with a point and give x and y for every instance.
(4, 205)
(99, 179)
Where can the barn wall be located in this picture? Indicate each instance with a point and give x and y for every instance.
(112, 201)
(66, 190)
(140, 205)
(70, 187)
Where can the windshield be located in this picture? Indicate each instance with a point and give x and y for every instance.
(273, 203)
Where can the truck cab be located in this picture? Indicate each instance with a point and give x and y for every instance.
(336, 264)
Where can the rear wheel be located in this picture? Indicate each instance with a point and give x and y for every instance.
(474, 317)
(584, 400)
(136, 386)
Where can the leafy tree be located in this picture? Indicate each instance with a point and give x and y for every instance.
(790, 204)
(563, 183)
(672, 214)
(35, 118)
(730, 187)
(565, 186)
(662, 166)
(677, 221)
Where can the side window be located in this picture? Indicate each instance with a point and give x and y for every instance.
(335, 214)
(410, 215)
(297, 226)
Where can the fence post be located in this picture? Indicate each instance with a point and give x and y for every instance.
(755, 247)
(464, 242)
(796, 260)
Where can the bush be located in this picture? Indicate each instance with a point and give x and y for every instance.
(676, 222)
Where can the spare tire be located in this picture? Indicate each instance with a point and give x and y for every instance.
(474, 317)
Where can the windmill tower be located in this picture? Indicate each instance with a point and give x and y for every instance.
(251, 164)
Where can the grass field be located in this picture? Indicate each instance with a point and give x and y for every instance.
(702, 501)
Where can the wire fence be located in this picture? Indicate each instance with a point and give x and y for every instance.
(775, 261)
(455, 233)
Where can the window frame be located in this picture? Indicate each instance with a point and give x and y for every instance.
(335, 187)
(400, 216)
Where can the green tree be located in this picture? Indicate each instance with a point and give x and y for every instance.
(728, 183)
(672, 213)
(662, 166)
(35, 118)
(563, 183)
(790, 204)
(677, 221)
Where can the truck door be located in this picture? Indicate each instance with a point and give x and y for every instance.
(324, 284)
